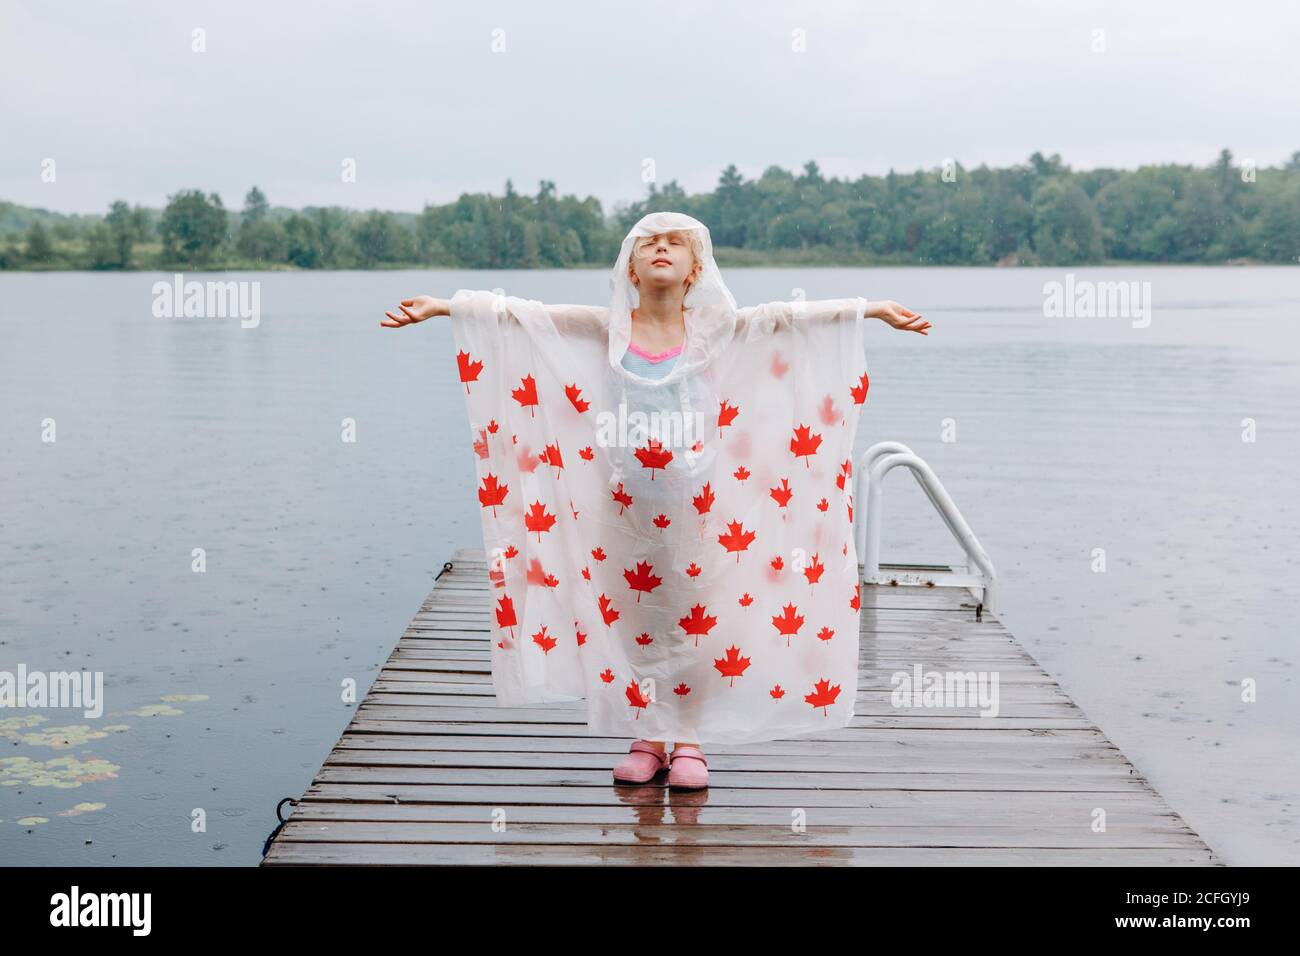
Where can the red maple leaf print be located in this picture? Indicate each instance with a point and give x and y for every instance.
(551, 456)
(828, 412)
(732, 666)
(526, 394)
(653, 456)
(823, 695)
(607, 676)
(694, 570)
(644, 638)
(622, 497)
(704, 500)
(804, 443)
(468, 370)
(856, 602)
(782, 494)
(642, 579)
(825, 634)
(745, 600)
(492, 494)
(788, 622)
(663, 521)
(506, 612)
(859, 391)
(598, 554)
(635, 699)
(586, 454)
(525, 457)
(736, 539)
(538, 575)
(698, 622)
(846, 472)
(681, 690)
(814, 570)
(779, 365)
(823, 505)
(776, 692)
(586, 573)
(726, 415)
(511, 551)
(538, 520)
(741, 473)
(493, 426)
(573, 509)
(575, 397)
(579, 635)
(480, 443)
(544, 640)
(850, 507)
(777, 563)
(607, 610)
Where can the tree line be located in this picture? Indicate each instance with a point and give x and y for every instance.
(1041, 212)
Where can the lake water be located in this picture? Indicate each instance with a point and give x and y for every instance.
(223, 688)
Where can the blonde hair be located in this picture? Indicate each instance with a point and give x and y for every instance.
(697, 252)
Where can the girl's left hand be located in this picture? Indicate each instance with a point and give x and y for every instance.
(898, 315)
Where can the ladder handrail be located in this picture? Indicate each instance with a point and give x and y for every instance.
(879, 450)
(876, 462)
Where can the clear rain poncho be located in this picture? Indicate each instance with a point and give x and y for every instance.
(679, 552)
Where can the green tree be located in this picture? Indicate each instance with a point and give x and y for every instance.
(39, 250)
(255, 207)
(1276, 231)
(260, 239)
(379, 238)
(193, 227)
(101, 251)
(1066, 229)
(110, 243)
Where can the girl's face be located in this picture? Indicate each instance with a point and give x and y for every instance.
(663, 260)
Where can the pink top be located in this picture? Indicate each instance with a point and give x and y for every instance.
(651, 357)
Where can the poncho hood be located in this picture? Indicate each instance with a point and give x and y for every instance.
(710, 306)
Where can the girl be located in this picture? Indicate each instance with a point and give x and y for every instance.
(667, 499)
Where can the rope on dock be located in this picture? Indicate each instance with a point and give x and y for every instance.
(445, 568)
(266, 847)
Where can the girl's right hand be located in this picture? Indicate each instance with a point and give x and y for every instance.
(898, 315)
(417, 310)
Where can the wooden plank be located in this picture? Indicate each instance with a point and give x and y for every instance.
(974, 802)
(429, 761)
(725, 835)
(287, 853)
(1128, 815)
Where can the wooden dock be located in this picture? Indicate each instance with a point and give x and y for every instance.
(429, 761)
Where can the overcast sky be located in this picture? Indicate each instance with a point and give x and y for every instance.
(584, 93)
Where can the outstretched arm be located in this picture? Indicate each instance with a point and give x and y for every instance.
(766, 316)
(567, 318)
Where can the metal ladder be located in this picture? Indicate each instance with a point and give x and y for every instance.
(876, 462)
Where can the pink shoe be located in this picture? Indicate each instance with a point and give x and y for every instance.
(691, 772)
(642, 764)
